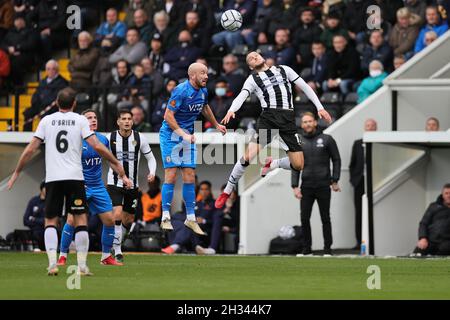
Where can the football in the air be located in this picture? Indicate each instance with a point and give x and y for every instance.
(231, 20)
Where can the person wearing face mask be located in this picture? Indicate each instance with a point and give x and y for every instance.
(221, 102)
(178, 58)
(372, 83)
(83, 63)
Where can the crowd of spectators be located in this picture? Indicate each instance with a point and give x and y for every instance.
(330, 43)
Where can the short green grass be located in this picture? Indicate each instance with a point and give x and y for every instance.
(23, 276)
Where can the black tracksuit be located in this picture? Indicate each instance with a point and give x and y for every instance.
(357, 180)
(435, 227)
(318, 150)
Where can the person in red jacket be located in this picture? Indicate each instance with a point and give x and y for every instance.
(5, 67)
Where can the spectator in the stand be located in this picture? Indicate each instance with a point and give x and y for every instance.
(417, 7)
(151, 202)
(167, 33)
(138, 91)
(174, 9)
(181, 56)
(45, 94)
(434, 228)
(112, 31)
(5, 67)
(121, 81)
(154, 75)
(389, 9)
(319, 66)
(23, 7)
(252, 33)
(432, 124)
(155, 55)
(283, 16)
(20, 42)
(147, 5)
(89, 13)
(142, 24)
(377, 49)
(430, 36)
(373, 82)
(434, 23)
(139, 123)
(83, 63)
(232, 73)
(283, 52)
(133, 51)
(205, 11)
(159, 107)
(35, 215)
(200, 36)
(317, 179)
(102, 73)
(403, 35)
(332, 28)
(207, 216)
(357, 163)
(230, 39)
(212, 74)
(221, 102)
(6, 17)
(399, 61)
(49, 17)
(305, 34)
(343, 66)
(355, 17)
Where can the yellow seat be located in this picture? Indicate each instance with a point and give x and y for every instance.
(122, 15)
(32, 86)
(63, 65)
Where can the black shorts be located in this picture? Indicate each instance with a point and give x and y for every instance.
(72, 193)
(127, 198)
(282, 122)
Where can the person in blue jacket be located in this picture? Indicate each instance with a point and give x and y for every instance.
(434, 23)
(34, 216)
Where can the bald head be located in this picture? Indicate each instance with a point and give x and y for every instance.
(198, 75)
(370, 125)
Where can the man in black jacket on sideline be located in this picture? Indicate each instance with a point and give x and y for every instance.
(434, 228)
(318, 150)
(356, 167)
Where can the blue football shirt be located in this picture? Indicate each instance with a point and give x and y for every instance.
(92, 163)
(187, 103)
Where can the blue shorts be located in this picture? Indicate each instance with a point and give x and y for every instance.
(98, 200)
(175, 152)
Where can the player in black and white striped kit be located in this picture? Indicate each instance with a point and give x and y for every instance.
(127, 145)
(273, 87)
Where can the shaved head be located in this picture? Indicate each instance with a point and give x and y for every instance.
(198, 74)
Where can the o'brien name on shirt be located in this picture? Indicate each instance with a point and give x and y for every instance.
(63, 123)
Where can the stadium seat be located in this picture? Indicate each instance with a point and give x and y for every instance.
(332, 102)
(350, 102)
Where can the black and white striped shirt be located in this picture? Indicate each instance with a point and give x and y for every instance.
(128, 152)
(273, 87)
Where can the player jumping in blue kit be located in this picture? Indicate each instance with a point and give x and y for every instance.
(97, 197)
(177, 141)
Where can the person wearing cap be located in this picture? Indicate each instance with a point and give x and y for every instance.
(155, 54)
(34, 216)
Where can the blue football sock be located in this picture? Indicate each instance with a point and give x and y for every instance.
(189, 199)
(167, 196)
(107, 239)
(66, 238)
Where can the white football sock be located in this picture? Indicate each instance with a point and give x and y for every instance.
(166, 215)
(282, 163)
(82, 245)
(191, 217)
(51, 244)
(175, 247)
(236, 174)
(63, 254)
(105, 255)
(117, 244)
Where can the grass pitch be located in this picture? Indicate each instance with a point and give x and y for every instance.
(23, 276)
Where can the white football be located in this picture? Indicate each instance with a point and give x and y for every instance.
(231, 20)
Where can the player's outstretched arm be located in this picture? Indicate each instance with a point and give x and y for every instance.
(24, 158)
(209, 115)
(169, 117)
(235, 106)
(150, 157)
(300, 83)
(105, 153)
